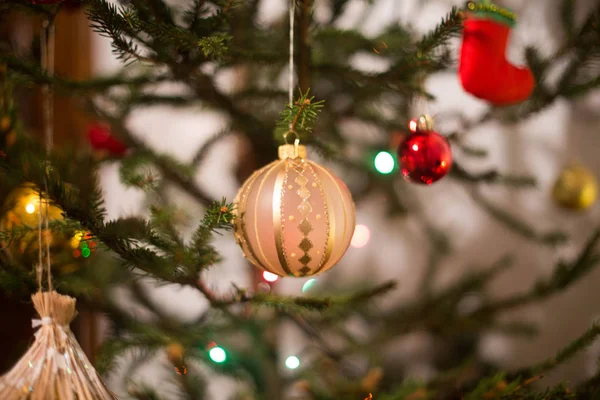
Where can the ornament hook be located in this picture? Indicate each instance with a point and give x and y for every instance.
(424, 123)
(296, 136)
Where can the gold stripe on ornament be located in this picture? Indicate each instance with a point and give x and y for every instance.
(242, 208)
(260, 249)
(305, 208)
(329, 227)
(341, 194)
(239, 222)
(278, 196)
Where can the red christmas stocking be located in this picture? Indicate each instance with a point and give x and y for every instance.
(484, 71)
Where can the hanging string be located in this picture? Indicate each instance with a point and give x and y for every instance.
(39, 271)
(291, 76)
(47, 38)
(47, 49)
(291, 68)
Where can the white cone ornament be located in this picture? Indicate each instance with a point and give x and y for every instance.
(54, 367)
(293, 216)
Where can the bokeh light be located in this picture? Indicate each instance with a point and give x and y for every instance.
(361, 236)
(292, 362)
(30, 208)
(270, 277)
(384, 162)
(217, 354)
(412, 125)
(308, 284)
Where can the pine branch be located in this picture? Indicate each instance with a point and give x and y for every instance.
(491, 177)
(581, 50)
(563, 277)
(565, 354)
(522, 228)
(143, 392)
(302, 303)
(114, 22)
(290, 303)
(170, 169)
(567, 13)
(208, 145)
(300, 116)
(451, 26)
(33, 74)
(433, 312)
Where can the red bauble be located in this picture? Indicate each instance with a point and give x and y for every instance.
(425, 157)
(100, 138)
(484, 71)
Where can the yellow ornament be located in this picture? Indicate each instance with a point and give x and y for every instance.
(293, 216)
(21, 219)
(576, 188)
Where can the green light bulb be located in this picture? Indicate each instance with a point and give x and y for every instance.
(308, 284)
(384, 162)
(217, 354)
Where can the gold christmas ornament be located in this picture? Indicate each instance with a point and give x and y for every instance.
(576, 188)
(21, 218)
(293, 216)
(55, 367)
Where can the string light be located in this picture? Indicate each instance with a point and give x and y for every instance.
(76, 239)
(270, 277)
(384, 162)
(308, 284)
(361, 236)
(217, 354)
(412, 125)
(292, 362)
(30, 208)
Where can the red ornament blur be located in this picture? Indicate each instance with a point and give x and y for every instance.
(100, 138)
(425, 157)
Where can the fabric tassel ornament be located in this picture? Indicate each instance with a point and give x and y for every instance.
(55, 367)
(484, 70)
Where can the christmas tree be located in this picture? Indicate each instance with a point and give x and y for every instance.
(312, 105)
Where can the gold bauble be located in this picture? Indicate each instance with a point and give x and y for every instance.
(21, 218)
(576, 188)
(293, 216)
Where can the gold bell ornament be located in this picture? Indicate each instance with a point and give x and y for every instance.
(576, 188)
(293, 216)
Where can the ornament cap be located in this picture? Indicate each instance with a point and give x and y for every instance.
(291, 151)
(424, 123)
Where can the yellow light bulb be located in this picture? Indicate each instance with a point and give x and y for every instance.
(30, 208)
